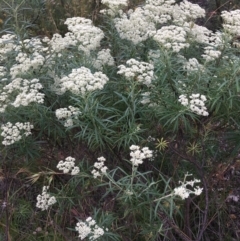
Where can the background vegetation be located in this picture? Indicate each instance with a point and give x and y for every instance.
(114, 119)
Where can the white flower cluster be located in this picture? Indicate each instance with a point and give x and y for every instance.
(158, 11)
(81, 80)
(201, 34)
(44, 200)
(114, 6)
(138, 154)
(7, 45)
(68, 115)
(156, 3)
(140, 24)
(99, 167)
(104, 57)
(192, 65)
(82, 35)
(197, 33)
(142, 71)
(68, 166)
(59, 43)
(183, 100)
(183, 192)
(231, 21)
(13, 133)
(172, 37)
(210, 53)
(33, 45)
(26, 63)
(187, 11)
(87, 35)
(196, 104)
(134, 26)
(89, 229)
(24, 91)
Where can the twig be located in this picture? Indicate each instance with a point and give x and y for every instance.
(187, 227)
(169, 223)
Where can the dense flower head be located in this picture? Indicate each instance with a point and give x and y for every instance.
(140, 24)
(33, 45)
(114, 3)
(26, 63)
(192, 65)
(139, 154)
(160, 2)
(68, 166)
(44, 200)
(197, 33)
(158, 11)
(15, 132)
(23, 92)
(196, 103)
(87, 35)
(8, 43)
(211, 53)
(81, 81)
(231, 21)
(171, 37)
(114, 6)
(104, 57)
(142, 71)
(83, 35)
(89, 229)
(100, 168)
(68, 115)
(134, 26)
(183, 100)
(187, 11)
(59, 43)
(184, 192)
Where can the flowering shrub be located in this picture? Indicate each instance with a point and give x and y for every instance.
(150, 79)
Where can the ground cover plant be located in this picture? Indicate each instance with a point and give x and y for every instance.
(126, 129)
